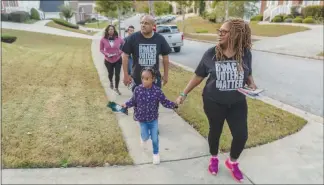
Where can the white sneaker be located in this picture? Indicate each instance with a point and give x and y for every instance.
(156, 159)
(143, 144)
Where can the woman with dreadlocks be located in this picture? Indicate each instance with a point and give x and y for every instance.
(228, 65)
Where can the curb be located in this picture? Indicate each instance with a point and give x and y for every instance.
(308, 57)
(296, 111)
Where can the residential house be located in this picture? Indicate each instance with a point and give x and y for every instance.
(13, 6)
(83, 10)
(269, 9)
(51, 9)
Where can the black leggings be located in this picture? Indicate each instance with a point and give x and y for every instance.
(236, 117)
(110, 67)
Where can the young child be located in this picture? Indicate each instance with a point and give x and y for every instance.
(145, 100)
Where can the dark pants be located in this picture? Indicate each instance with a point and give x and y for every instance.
(114, 68)
(236, 117)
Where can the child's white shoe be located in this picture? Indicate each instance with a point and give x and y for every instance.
(143, 143)
(156, 159)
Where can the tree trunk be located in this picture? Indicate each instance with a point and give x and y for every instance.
(183, 19)
(118, 20)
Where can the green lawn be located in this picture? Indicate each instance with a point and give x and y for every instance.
(266, 123)
(54, 110)
(102, 24)
(55, 25)
(198, 24)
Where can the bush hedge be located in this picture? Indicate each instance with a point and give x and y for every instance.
(309, 20)
(201, 31)
(277, 18)
(34, 14)
(5, 17)
(19, 16)
(315, 11)
(8, 38)
(289, 20)
(288, 16)
(65, 23)
(257, 18)
(297, 20)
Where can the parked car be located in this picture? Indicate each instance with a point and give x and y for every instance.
(172, 36)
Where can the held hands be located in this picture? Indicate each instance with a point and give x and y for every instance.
(127, 79)
(164, 80)
(124, 105)
(180, 99)
(252, 86)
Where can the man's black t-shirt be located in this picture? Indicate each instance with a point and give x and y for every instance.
(145, 52)
(224, 77)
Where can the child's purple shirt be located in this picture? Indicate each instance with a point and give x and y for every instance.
(146, 103)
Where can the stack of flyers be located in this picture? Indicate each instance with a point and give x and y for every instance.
(131, 85)
(117, 108)
(111, 54)
(250, 93)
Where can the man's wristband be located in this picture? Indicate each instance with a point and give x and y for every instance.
(183, 94)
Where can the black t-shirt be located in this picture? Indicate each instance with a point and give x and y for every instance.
(145, 52)
(224, 77)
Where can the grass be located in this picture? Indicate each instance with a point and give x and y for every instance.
(30, 21)
(194, 24)
(55, 25)
(321, 54)
(102, 24)
(210, 38)
(54, 110)
(266, 123)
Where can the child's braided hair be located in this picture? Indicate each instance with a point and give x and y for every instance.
(239, 39)
(149, 69)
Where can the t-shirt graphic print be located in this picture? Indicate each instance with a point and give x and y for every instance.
(147, 55)
(228, 77)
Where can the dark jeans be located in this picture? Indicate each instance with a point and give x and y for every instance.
(114, 68)
(236, 117)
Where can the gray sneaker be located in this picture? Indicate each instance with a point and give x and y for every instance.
(117, 91)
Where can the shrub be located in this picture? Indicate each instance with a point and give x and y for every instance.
(65, 23)
(81, 22)
(288, 20)
(34, 14)
(19, 16)
(288, 16)
(300, 16)
(315, 11)
(201, 31)
(297, 20)
(5, 17)
(212, 16)
(294, 11)
(309, 20)
(8, 38)
(257, 18)
(277, 19)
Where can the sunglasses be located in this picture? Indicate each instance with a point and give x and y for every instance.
(222, 32)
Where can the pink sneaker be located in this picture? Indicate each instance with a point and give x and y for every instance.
(213, 166)
(235, 171)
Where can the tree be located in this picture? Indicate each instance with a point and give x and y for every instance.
(66, 12)
(113, 8)
(161, 7)
(202, 6)
(183, 5)
(250, 8)
(141, 6)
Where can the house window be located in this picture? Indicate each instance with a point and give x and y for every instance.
(10, 3)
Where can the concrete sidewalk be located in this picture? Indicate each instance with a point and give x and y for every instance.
(41, 28)
(303, 44)
(294, 159)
